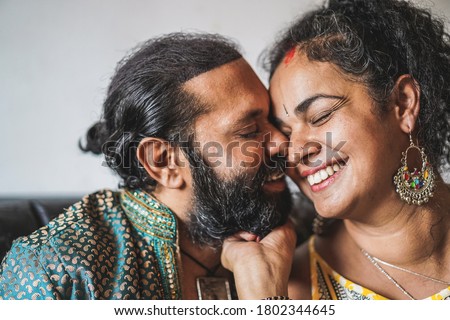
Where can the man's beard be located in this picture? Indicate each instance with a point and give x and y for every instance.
(221, 208)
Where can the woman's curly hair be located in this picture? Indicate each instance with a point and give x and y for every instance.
(375, 42)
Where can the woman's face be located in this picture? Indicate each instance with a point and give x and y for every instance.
(342, 153)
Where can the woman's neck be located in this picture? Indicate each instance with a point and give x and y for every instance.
(407, 235)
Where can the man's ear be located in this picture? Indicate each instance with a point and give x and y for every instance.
(158, 158)
(406, 99)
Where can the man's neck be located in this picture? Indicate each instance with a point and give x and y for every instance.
(208, 256)
(196, 261)
(179, 201)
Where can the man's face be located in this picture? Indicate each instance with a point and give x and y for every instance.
(238, 183)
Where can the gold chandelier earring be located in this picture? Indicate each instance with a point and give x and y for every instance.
(417, 186)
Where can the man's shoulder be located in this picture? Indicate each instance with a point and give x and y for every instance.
(71, 255)
(95, 213)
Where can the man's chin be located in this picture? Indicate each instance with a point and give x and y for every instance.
(255, 203)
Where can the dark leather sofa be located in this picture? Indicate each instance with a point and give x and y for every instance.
(19, 217)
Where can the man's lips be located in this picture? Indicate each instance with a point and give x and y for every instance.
(275, 182)
(275, 176)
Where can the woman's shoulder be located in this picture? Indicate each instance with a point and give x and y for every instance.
(300, 286)
(300, 279)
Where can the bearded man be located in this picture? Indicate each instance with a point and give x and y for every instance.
(185, 125)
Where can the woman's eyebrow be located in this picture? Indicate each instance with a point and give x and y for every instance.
(303, 106)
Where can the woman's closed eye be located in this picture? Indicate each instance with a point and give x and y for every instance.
(321, 118)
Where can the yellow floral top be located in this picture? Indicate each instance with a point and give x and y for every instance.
(327, 284)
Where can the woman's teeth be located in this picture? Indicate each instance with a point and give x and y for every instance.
(323, 174)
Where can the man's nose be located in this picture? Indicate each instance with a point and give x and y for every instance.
(275, 143)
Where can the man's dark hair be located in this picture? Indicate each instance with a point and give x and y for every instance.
(375, 42)
(146, 98)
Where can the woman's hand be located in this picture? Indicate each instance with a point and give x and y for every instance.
(261, 267)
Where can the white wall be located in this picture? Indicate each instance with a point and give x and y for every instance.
(56, 58)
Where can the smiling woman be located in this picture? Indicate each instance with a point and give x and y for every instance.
(378, 92)
(322, 101)
(357, 88)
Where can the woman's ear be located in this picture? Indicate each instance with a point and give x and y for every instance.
(158, 158)
(406, 98)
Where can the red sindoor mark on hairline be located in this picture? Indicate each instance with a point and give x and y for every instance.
(289, 56)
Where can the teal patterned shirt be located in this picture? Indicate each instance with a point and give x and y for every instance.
(110, 245)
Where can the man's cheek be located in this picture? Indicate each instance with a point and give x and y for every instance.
(250, 155)
(213, 154)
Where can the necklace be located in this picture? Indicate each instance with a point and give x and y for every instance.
(210, 287)
(376, 262)
(411, 272)
(209, 271)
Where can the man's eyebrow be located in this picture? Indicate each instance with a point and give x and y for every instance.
(303, 106)
(248, 116)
